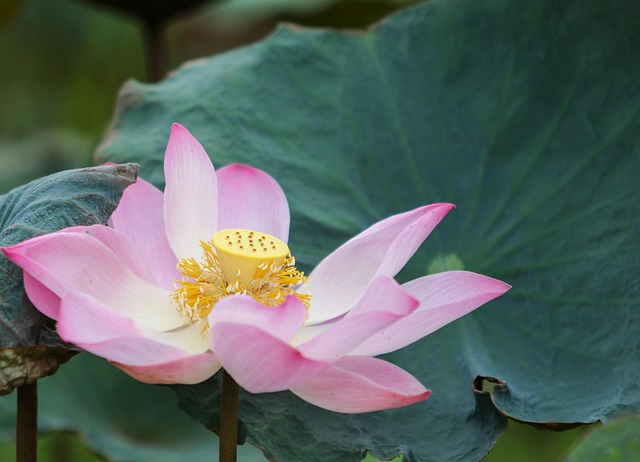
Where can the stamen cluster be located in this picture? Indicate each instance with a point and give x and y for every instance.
(204, 283)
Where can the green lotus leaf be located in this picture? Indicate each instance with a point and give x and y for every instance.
(28, 347)
(525, 115)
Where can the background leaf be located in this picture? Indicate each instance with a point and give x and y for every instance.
(28, 348)
(525, 115)
(616, 441)
(42, 153)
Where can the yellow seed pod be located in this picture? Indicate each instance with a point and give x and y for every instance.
(245, 255)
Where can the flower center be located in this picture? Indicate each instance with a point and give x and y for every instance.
(245, 255)
(237, 261)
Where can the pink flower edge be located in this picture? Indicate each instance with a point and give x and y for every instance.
(362, 384)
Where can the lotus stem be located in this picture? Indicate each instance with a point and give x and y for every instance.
(27, 423)
(229, 419)
(156, 49)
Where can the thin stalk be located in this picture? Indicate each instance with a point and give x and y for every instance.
(156, 49)
(27, 424)
(229, 419)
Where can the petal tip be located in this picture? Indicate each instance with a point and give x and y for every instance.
(14, 252)
(496, 285)
(177, 127)
(419, 397)
(244, 169)
(504, 288)
(444, 208)
(179, 134)
(406, 399)
(438, 210)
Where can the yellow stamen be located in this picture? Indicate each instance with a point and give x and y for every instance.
(237, 261)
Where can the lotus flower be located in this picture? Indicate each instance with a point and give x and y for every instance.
(182, 283)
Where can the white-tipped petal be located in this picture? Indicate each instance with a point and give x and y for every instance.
(339, 280)
(190, 194)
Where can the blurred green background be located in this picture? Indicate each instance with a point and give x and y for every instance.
(521, 443)
(63, 62)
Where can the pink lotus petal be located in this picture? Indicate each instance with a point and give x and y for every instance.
(251, 199)
(282, 321)
(95, 327)
(306, 333)
(147, 355)
(362, 384)
(385, 294)
(42, 298)
(130, 348)
(259, 361)
(383, 249)
(118, 244)
(383, 303)
(444, 297)
(190, 194)
(139, 217)
(92, 268)
(188, 371)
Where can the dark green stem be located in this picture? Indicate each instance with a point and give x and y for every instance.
(27, 424)
(156, 49)
(229, 419)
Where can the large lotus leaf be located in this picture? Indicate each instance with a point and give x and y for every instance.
(28, 348)
(118, 417)
(525, 115)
